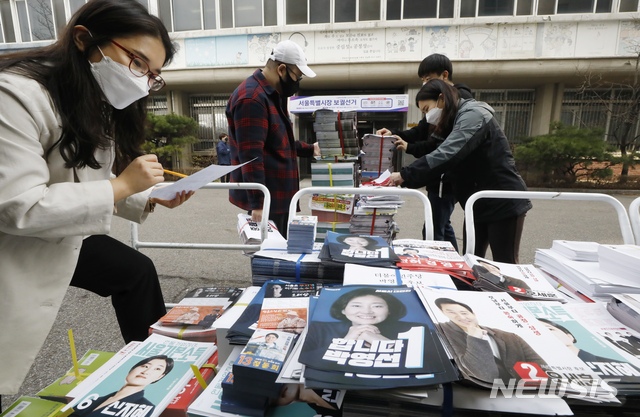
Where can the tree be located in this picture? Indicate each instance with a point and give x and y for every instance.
(622, 102)
(566, 154)
(168, 135)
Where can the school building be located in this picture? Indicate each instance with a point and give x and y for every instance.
(526, 58)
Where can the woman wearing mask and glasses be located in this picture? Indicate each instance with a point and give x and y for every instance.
(475, 155)
(71, 124)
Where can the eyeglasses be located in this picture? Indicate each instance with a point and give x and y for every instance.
(140, 68)
(298, 77)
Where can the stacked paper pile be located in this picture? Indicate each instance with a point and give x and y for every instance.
(584, 278)
(578, 251)
(331, 174)
(194, 316)
(621, 260)
(357, 249)
(626, 309)
(302, 234)
(377, 155)
(250, 233)
(275, 262)
(353, 330)
(433, 256)
(336, 132)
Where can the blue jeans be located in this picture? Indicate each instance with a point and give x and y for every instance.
(441, 208)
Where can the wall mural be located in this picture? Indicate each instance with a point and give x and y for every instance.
(486, 42)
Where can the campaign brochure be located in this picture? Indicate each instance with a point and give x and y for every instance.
(364, 250)
(302, 234)
(432, 255)
(250, 233)
(294, 399)
(35, 407)
(593, 335)
(87, 364)
(366, 337)
(201, 306)
(143, 382)
(494, 339)
(370, 275)
(522, 281)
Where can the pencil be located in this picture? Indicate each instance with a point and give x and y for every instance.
(175, 173)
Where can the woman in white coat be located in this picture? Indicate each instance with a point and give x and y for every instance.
(71, 125)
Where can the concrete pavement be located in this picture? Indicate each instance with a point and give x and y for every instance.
(209, 218)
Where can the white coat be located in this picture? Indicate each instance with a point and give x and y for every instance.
(46, 210)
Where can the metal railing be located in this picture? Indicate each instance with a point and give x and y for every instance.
(138, 244)
(368, 191)
(623, 218)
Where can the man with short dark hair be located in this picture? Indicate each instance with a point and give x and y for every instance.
(259, 127)
(418, 142)
(224, 154)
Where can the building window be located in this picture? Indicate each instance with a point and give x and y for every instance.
(419, 9)
(513, 110)
(208, 111)
(598, 108)
(628, 5)
(157, 104)
(298, 12)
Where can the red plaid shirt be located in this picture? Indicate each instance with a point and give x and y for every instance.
(260, 128)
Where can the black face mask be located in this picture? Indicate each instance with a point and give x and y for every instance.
(289, 87)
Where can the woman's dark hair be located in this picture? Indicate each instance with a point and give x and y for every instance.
(440, 301)
(371, 243)
(397, 310)
(165, 358)
(559, 327)
(431, 91)
(88, 123)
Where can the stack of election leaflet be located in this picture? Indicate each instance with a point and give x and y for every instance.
(293, 400)
(522, 282)
(90, 362)
(373, 214)
(250, 234)
(179, 405)
(372, 337)
(494, 339)
(274, 262)
(620, 260)
(370, 275)
(194, 316)
(330, 174)
(363, 250)
(433, 256)
(336, 132)
(302, 234)
(377, 155)
(590, 332)
(144, 381)
(626, 309)
(585, 278)
(242, 330)
(35, 407)
(577, 250)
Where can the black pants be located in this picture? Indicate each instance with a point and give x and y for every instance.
(280, 220)
(108, 267)
(503, 236)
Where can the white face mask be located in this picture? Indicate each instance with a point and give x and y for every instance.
(433, 116)
(118, 84)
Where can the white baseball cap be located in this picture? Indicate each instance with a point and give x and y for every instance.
(289, 52)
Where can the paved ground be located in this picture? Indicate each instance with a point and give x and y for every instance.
(209, 218)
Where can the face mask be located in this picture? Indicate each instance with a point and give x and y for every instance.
(289, 87)
(118, 84)
(433, 116)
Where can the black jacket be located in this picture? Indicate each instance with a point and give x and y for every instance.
(420, 142)
(475, 156)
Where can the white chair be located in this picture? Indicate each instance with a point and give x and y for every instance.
(634, 216)
(623, 218)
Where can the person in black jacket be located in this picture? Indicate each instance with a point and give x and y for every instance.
(476, 156)
(418, 142)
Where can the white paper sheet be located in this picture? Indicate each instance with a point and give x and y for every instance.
(195, 181)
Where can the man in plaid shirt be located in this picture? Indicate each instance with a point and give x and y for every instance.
(259, 127)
